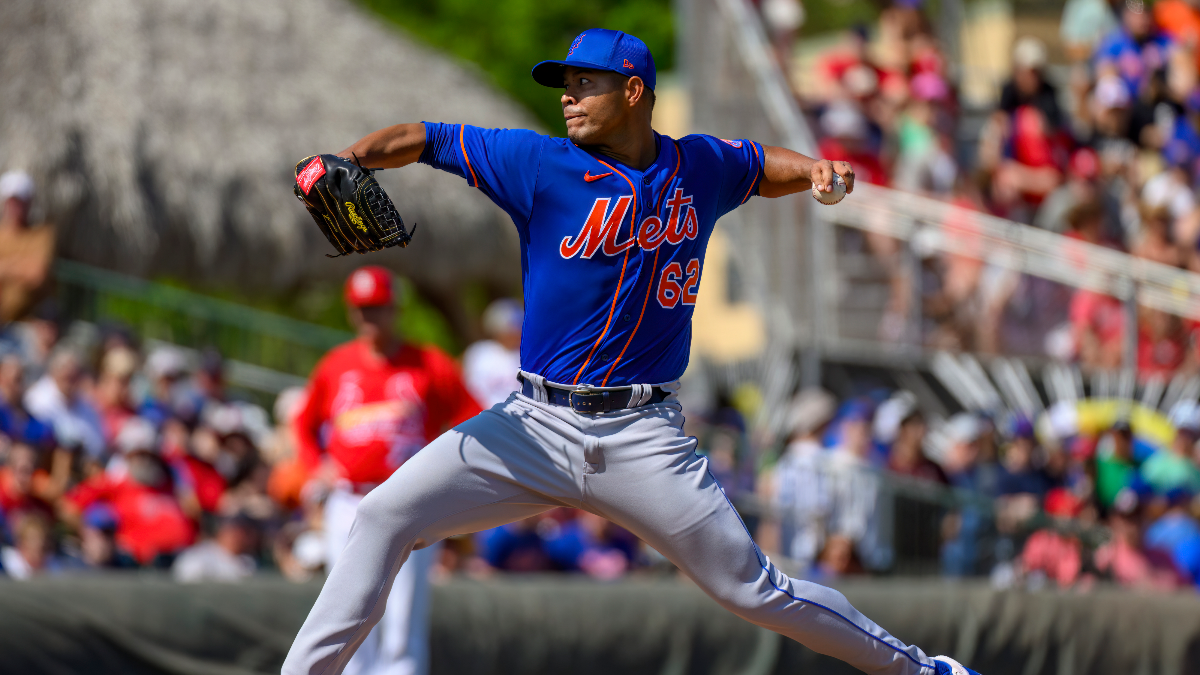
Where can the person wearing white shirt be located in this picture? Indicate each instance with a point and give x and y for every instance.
(800, 492)
(490, 366)
(54, 399)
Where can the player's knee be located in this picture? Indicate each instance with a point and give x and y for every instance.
(756, 601)
(380, 512)
(741, 599)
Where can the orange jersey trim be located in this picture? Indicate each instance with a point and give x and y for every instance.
(613, 308)
(761, 170)
(462, 128)
(650, 287)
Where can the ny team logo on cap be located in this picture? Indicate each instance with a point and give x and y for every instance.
(604, 49)
(575, 45)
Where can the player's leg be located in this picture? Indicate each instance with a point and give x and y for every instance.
(340, 507)
(403, 632)
(469, 479)
(650, 481)
(399, 643)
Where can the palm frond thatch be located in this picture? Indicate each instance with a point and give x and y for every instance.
(163, 135)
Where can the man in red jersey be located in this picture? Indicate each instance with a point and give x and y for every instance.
(372, 403)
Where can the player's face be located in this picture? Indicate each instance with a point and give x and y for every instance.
(594, 105)
(373, 323)
(16, 210)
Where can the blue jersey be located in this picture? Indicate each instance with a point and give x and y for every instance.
(611, 256)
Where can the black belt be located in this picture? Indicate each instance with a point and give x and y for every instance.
(592, 402)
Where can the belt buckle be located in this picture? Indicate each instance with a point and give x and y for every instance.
(585, 390)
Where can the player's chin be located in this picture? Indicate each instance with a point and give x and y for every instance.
(579, 132)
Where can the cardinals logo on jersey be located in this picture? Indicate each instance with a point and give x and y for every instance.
(400, 387)
(398, 420)
(349, 393)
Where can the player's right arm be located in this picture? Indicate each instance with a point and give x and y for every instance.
(391, 148)
(786, 172)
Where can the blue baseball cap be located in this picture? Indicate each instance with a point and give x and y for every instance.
(601, 49)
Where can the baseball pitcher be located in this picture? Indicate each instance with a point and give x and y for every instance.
(613, 223)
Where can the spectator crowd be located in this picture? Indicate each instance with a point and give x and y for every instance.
(116, 455)
(1101, 146)
(1024, 501)
(119, 454)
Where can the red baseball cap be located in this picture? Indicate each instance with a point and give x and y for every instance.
(1085, 163)
(369, 286)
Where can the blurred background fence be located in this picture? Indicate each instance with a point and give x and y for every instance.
(265, 353)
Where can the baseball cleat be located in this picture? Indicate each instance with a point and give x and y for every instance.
(948, 666)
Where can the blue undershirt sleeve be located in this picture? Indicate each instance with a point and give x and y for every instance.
(441, 148)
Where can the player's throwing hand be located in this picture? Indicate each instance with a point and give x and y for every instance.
(831, 181)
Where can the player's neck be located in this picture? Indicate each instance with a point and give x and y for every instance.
(383, 348)
(9, 224)
(637, 147)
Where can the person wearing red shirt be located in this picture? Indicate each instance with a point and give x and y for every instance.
(17, 485)
(199, 484)
(1162, 343)
(1181, 20)
(150, 521)
(372, 403)
(1097, 324)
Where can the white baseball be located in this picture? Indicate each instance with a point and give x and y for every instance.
(833, 196)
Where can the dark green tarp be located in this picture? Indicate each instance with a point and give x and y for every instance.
(561, 625)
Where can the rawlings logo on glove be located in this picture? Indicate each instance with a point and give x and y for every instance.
(349, 206)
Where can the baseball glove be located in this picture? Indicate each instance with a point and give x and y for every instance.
(353, 212)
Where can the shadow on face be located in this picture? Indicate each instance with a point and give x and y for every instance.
(373, 323)
(16, 210)
(598, 104)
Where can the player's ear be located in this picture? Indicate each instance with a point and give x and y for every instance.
(635, 90)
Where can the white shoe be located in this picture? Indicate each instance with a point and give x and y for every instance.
(952, 667)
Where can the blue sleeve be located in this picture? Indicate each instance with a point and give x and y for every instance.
(503, 163)
(740, 168)
(1110, 46)
(565, 548)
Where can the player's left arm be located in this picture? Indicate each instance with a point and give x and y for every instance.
(391, 148)
(786, 172)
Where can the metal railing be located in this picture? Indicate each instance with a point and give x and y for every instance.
(905, 524)
(264, 352)
(824, 293)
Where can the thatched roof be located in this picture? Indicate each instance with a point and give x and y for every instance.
(163, 135)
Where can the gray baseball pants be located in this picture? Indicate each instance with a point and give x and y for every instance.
(634, 467)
